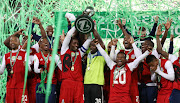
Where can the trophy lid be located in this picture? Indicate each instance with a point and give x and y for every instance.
(89, 11)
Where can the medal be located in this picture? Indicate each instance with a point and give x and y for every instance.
(73, 62)
(11, 71)
(72, 68)
(12, 58)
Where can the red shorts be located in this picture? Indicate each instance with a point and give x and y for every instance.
(15, 96)
(134, 92)
(31, 87)
(163, 98)
(120, 99)
(71, 92)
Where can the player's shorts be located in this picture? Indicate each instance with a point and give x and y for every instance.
(163, 98)
(14, 95)
(31, 87)
(93, 93)
(175, 96)
(134, 92)
(71, 92)
(119, 99)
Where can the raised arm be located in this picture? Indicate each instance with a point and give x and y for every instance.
(159, 46)
(112, 52)
(84, 47)
(136, 62)
(152, 33)
(122, 28)
(7, 41)
(170, 51)
(170, 71)
(108, 60)
(167, 26)
(37, 21)
(137, 51)
(65, 44)
(97, 36)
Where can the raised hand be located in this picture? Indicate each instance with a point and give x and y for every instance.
(159, 31)
(119, 23)
(62, 37)
(36, 21)
(96, 41)
(156, 19)
(114, 42)
(168, 24)
(20, 32)
(131, 40)
(123, 22)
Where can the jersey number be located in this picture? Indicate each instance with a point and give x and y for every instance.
(122, 77)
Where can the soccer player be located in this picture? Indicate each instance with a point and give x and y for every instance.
(72, 89)
(14, 62)
(41, 65)
(165, 71)
(130, 53)
(120, 75)
(175, 95)
(94, 75)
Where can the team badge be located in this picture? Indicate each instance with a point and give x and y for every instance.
(19, 58)
(133, 56)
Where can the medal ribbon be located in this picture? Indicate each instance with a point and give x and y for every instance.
(14, 60)
(73, 62)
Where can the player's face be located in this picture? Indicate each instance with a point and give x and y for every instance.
(143, 33)
(49, 30)
(45, 45)
(74, 45)
(144, 47)
(153, 64)
(120, 59)
(127, 43)
(14, 42)
(93, 48)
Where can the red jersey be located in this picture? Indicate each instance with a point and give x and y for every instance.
(176, 83)
(67, 73)
(166, 85)
(145, 74)
(120, 86)
(15, 80)
(42, 63)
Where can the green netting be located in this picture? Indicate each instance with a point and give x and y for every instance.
(13, 15)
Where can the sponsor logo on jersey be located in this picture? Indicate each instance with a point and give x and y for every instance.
(19, 58)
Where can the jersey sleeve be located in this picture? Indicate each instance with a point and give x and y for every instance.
(58, 62)
(36, 47)
(172, 58)
(36, 64)
(3, 65)
(108, 60)
(112, 53)
(65, 44)
(136, 62)
(155, 53)
(137, 51)
(170, 71)
(84, 47)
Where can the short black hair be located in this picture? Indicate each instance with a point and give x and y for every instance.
(150, 43)
(143, 28)
(122, 52)
(150, 58)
